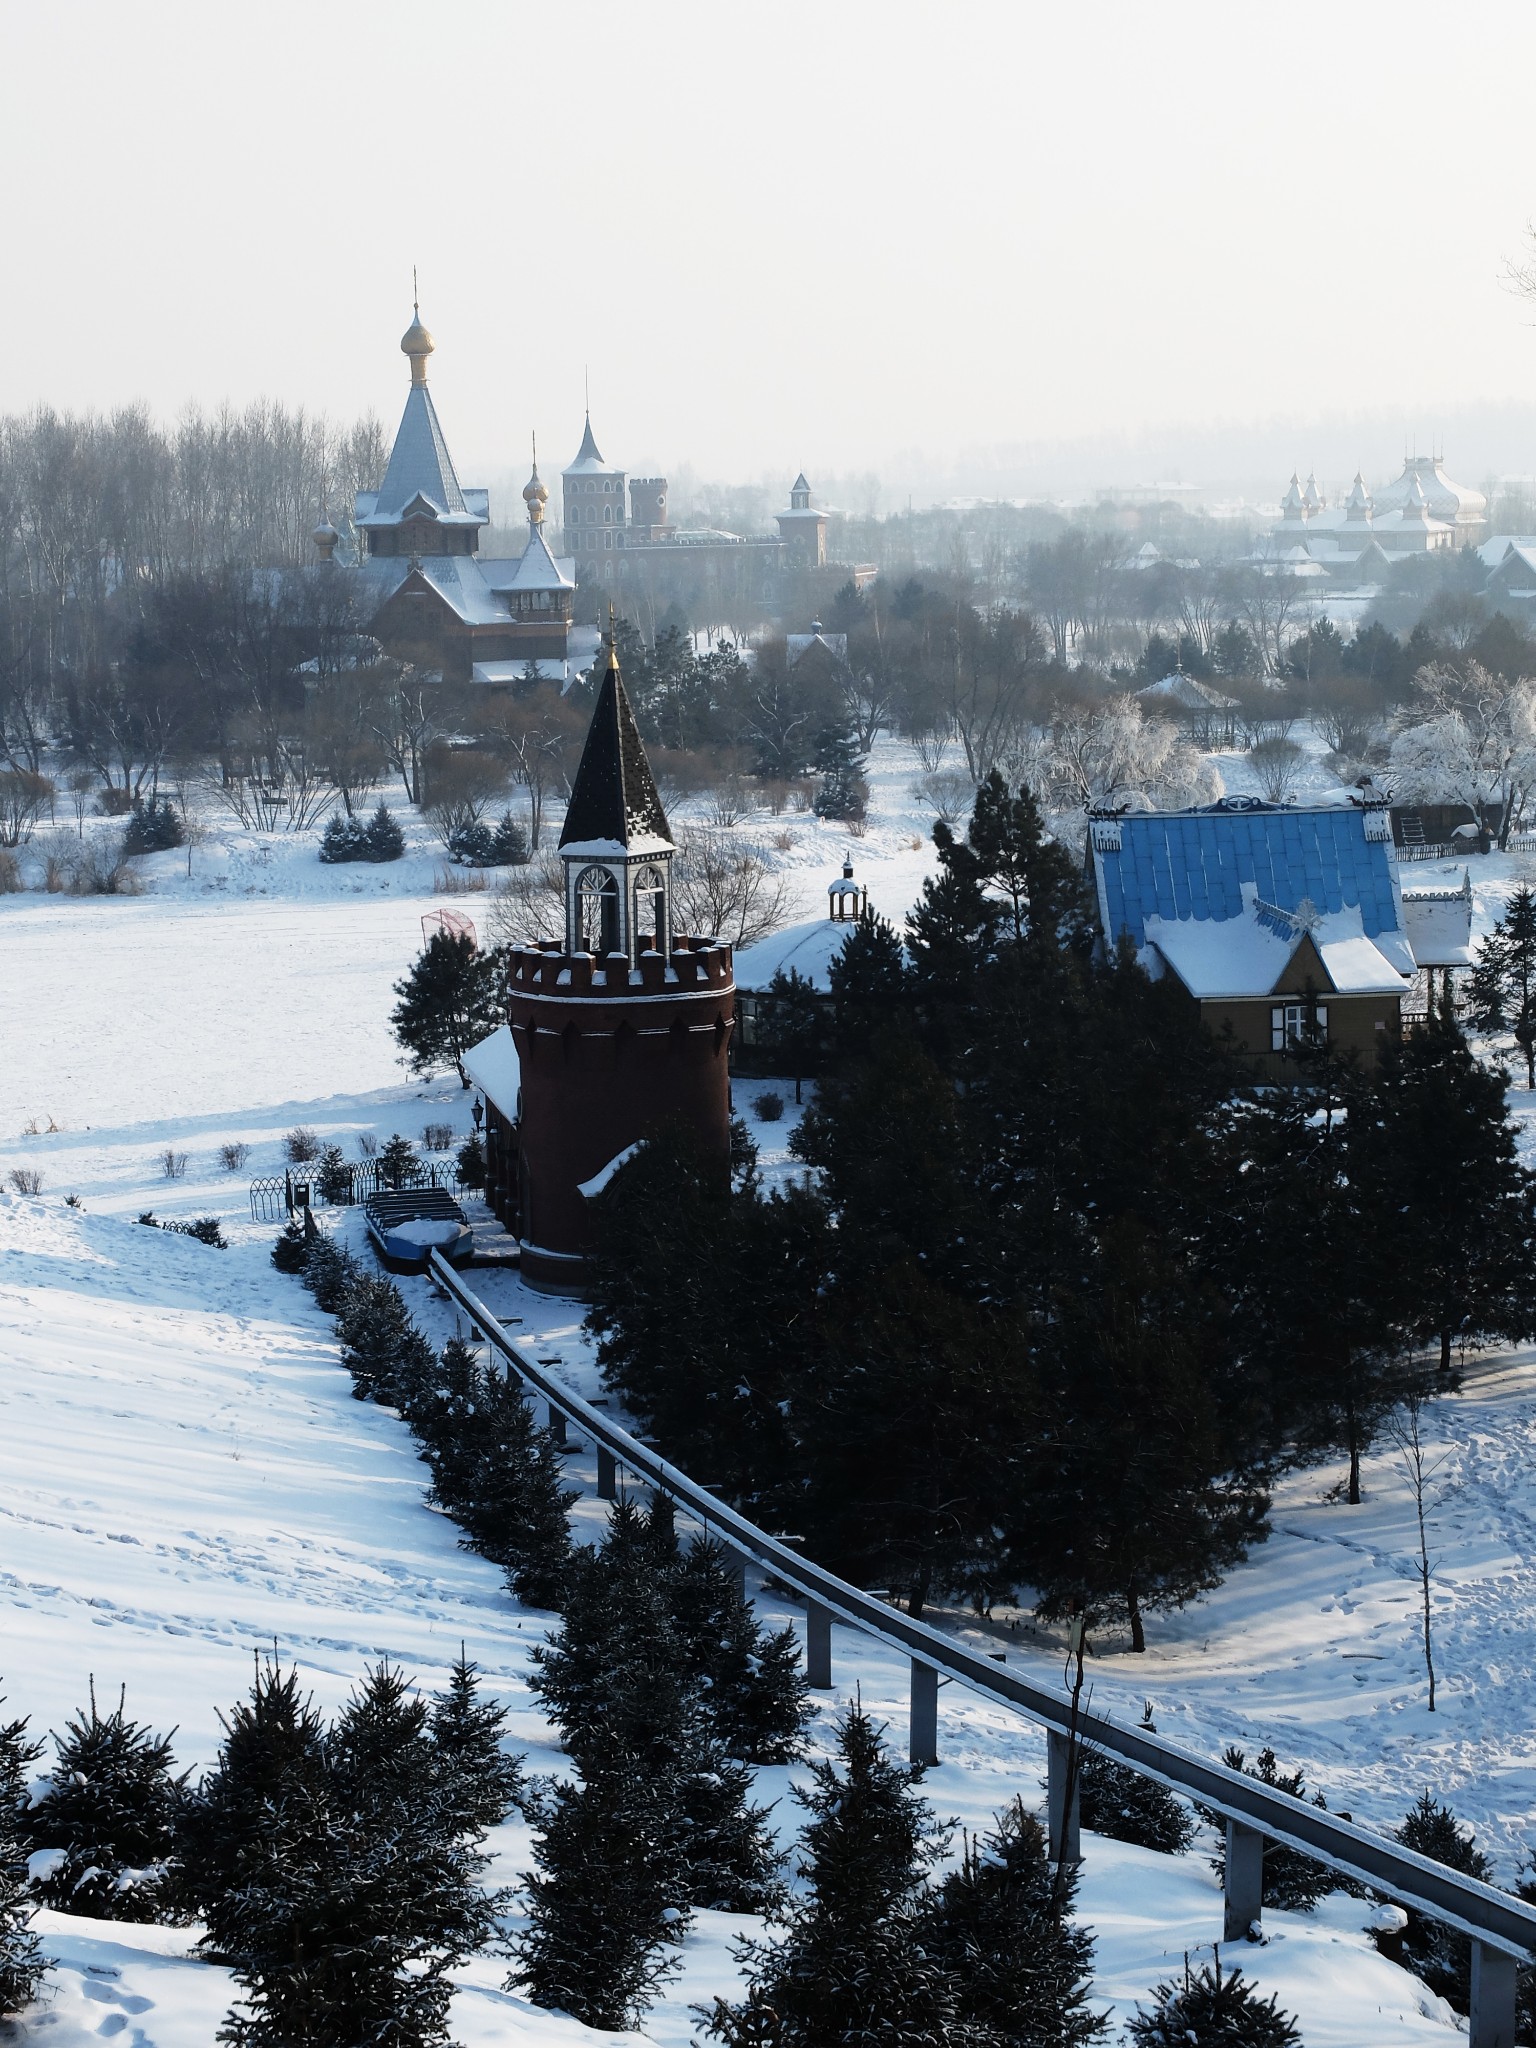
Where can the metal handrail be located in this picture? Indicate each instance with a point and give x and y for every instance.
(1496, 1918)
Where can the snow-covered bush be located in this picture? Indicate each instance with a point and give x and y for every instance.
(301, 1145)
(173, 1164)
(1212, 2009)
(26, 1180)
(153, 826)
(107, 1815)
(234, 1156)
(769, 1106)
(1116, 1801)
(350, 839)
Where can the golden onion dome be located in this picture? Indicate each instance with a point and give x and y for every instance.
(418, 344)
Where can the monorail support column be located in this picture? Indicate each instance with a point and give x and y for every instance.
(818, 1647)
(1491, 2023)
(1244, 1881)
(607, 1475)
(556, 1425)
(1063, 1827)
(923, 1745)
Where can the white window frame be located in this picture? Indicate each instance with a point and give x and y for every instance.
(1293, 1024)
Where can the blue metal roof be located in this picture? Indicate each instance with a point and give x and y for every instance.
(1194, 864)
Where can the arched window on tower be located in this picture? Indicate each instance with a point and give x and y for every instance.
(597, 911)
(651, 905)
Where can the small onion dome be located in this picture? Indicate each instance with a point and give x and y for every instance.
(535, 496)
(325, 538)
(418, 345)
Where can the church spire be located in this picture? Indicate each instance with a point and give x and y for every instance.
(614, 801)
(535, 495)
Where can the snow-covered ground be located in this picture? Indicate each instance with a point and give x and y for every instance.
(184, 1477)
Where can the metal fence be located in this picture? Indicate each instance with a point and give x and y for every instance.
(1502, 1927)
(274, 1196)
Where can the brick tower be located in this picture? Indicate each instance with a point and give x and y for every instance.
(625, 1026)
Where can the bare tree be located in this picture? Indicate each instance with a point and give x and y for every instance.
(1275, 761)
(1406, 1432)
(528, 904)
(722, 891)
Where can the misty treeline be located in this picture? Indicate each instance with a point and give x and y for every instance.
(1065, 1292)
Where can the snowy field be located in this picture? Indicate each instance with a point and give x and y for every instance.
(184, 1477)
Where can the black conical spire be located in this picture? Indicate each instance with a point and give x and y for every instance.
(615, 798)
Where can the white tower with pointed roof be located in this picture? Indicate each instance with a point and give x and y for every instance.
(593, 492)
(803, 529)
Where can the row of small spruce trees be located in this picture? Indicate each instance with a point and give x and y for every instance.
(473, 844)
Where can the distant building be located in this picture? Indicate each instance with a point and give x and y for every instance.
(614, 525)
(430, 593)
(1421, 512)
(1284, 925)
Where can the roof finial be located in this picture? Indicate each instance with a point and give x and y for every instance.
(535, 496)
(416, 342)
(415, 293)
(613, 645)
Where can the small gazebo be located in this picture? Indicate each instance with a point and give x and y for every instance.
(847, 900)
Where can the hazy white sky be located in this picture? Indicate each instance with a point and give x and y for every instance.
(845, 236)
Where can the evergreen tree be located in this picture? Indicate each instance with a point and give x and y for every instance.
(333, 1176)
(1437, 1953)
(755, 1690)
(381, 1346)
(844, 791)
(330, 1273)
(398, 1163)
(509, 1495)
(480, 1782)
(471, 1161)
(871, 987)
(1431, 1138)
(1502, 986)
(385, 841)
(443, 1411)
(602, 1916)
(1291, 1881)
(245, 1836)
(344, 839)
(1000, 1924)
(1116, 1801)
(21, 1957)
(789, 1024)
(452, 997)
(336, 1877)
(854, 1963)
(109, 1810)
(1212, 2010)
(290, 1251)
(152, 826)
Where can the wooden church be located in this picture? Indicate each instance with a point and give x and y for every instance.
(613, 1032)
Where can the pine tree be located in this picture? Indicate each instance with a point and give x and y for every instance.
(844, 791)
(1431, 1138)
(109, 1808)
(1292, 1882)
(333, 1176)
(1001, 1925)
(21, 1957)
(871, 986)
(383, 837)
(854, 1964)
(601, 1901)
(290, 1252)
(480, 1782)
(1212, 2010)
(330, 1273)
(1118, 1802)
(1437, 1953)
(510, 1497)
(443, 1413)
(381, 1347)
(398, 1162)
(452, 997)
(756, 1692)
(336, 1879)
(789, 1024)
(1502, 986)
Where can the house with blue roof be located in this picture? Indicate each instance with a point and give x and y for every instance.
(1280, 924)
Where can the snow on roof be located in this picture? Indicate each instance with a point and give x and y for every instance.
(496, 1071)
(808, 948)
(604, 1174)
(1446, 500)
(614, 799)
(1493, 550)
(796, 644)
(501, 673)
(536, 569)
(419, 467)
(1439, 923)
(589, 461)
(1188, 691)
(1220, 889)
